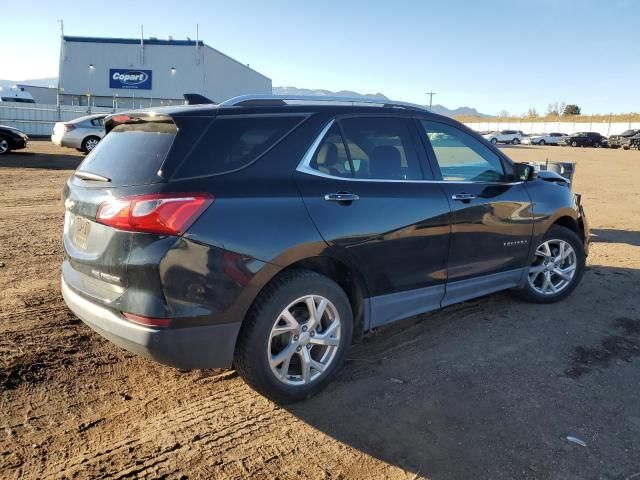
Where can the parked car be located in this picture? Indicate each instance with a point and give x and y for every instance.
(634, 142)
(585, 139)
(83, 133)
(505, 136)
(623, 140)
(12, 139)
(269, 236)
(553, 138)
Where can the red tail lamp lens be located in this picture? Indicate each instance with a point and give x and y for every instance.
(169, 214)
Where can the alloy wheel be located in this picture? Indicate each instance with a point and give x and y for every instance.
(91, 144)
(4, 146)
(553, 268)
(304, 340)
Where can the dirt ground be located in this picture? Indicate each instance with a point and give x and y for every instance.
(487, 389)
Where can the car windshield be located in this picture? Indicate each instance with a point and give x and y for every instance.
(628, 133)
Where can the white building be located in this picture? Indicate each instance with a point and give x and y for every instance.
(125, 72)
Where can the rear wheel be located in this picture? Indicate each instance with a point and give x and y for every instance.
(557, 267)
(574, 144)
(4, 146)
(515, 141)
(295, 336)
(90, 143)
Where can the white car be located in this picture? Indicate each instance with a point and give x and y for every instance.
(504, 136)
(544, 138)
(83, 133)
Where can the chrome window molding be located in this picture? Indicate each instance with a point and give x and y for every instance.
(305, 167)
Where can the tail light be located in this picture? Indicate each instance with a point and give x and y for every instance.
(68, 127)
(165, 214)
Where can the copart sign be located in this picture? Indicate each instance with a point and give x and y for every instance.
(131, 79)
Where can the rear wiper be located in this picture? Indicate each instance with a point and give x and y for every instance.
(91, 176)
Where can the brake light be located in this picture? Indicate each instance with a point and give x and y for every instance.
(147, 321)
(68, 127)
(170, 214)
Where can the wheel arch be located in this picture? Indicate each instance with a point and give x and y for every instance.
(349, 278)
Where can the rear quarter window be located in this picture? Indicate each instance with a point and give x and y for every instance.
(234, 142)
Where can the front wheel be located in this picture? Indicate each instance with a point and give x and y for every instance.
(557, 267)
(541, 142)
(4, 146)
(515, 141)
(574, 144)
(295, 336)
(494, 140)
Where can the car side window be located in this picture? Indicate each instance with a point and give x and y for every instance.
(331, 158)
(381, 148)
(461, 157)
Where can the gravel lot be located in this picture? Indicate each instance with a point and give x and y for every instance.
(487, 389)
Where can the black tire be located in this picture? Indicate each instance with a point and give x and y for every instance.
(574, 144)
(515, 141)
(528, 293)
(90, 143)
(494, 140)
(252, 348)
(541, 142)
(5, 145)
(80, 149)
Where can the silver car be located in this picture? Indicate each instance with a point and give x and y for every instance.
(83, 133)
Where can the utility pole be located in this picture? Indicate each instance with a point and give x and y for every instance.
(431, 94)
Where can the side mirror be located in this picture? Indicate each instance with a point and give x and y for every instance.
(524, 172)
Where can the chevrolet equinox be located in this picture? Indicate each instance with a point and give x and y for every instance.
(269, 233)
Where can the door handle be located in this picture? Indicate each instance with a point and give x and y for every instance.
(341, 197)
(463, 196)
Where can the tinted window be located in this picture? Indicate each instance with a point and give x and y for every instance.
(98, 122)
(381, 148)
(331, 158)
(461, 157)
(131, 154)
(235, 142)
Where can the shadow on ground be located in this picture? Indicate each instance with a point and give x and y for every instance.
(492, 388)
(610, 235)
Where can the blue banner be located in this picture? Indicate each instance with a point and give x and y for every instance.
(130, 78)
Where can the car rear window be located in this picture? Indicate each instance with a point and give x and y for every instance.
(234, 142)
(131, 154)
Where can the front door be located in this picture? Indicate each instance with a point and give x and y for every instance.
(365, 191)
(492, 219)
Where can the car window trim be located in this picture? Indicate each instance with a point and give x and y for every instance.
(305, 162)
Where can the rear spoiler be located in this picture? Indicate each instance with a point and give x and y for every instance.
(197, 99)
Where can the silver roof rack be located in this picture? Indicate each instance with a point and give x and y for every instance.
(272, 100)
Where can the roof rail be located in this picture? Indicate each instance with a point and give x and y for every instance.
(275, 100)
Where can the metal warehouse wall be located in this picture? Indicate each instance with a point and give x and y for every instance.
(205, 71)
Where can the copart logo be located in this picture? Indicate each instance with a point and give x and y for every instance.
(130, 78)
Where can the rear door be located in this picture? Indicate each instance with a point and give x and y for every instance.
(363, 182)
(492, 220)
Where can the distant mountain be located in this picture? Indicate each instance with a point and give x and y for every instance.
(37, 82)
(439, 109)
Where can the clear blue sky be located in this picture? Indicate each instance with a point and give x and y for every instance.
(487, 54)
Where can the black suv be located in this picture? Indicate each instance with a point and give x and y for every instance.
(585, 139)
(623, 140)
(269, 234)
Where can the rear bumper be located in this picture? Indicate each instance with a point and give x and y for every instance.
(66, 141)
(210, 346)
